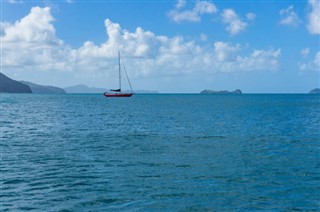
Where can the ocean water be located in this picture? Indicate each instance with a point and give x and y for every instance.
(160, 152)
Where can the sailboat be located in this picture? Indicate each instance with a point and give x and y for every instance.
(118, 92)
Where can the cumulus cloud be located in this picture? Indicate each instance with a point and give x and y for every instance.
(33, 28)
(194, 15)
(225, 52)
(235, 25)
(229, 58)
(180, 4)
(313, 65)
(260, 59)
(305, 52)
(14, 1)
(31, 42)
(314, 17)
(203, 37)
(289, 17)
(251, 16)
(31, 45)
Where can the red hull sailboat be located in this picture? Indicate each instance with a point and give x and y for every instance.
(106, 94)
(117, 92)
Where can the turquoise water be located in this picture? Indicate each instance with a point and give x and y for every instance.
(160, 152)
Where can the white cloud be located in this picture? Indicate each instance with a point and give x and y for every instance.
(260, 59)
(313, 65)
(204, 7)
(30, 45)
(235, 25)
(251, 16)
(203, 37)
(31, 42)
(194, 15)
(35, 27)
(180, 4)
(305, 52)
(224, 52)
(14, 1)
(289, 17)
(314, 17)
(178, 16)
(230, 59)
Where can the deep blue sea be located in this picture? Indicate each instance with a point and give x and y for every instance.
(175, 152)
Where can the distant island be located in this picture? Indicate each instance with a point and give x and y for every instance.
(8, 85)
(146, 92)
(43, 89)
(316, 90)
(83, 89)
(221, 92)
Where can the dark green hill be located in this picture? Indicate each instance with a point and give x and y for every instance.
(42, 88)
(8, 85)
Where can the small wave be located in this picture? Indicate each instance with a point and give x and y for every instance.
(205, 137)
(14, 181)
(99, 201)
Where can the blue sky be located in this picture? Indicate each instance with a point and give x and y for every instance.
(169, 46)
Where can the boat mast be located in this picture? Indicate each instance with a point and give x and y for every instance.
(119, 70)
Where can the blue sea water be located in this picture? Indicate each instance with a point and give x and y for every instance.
(77, 152)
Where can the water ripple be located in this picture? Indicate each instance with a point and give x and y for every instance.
(160, 152)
